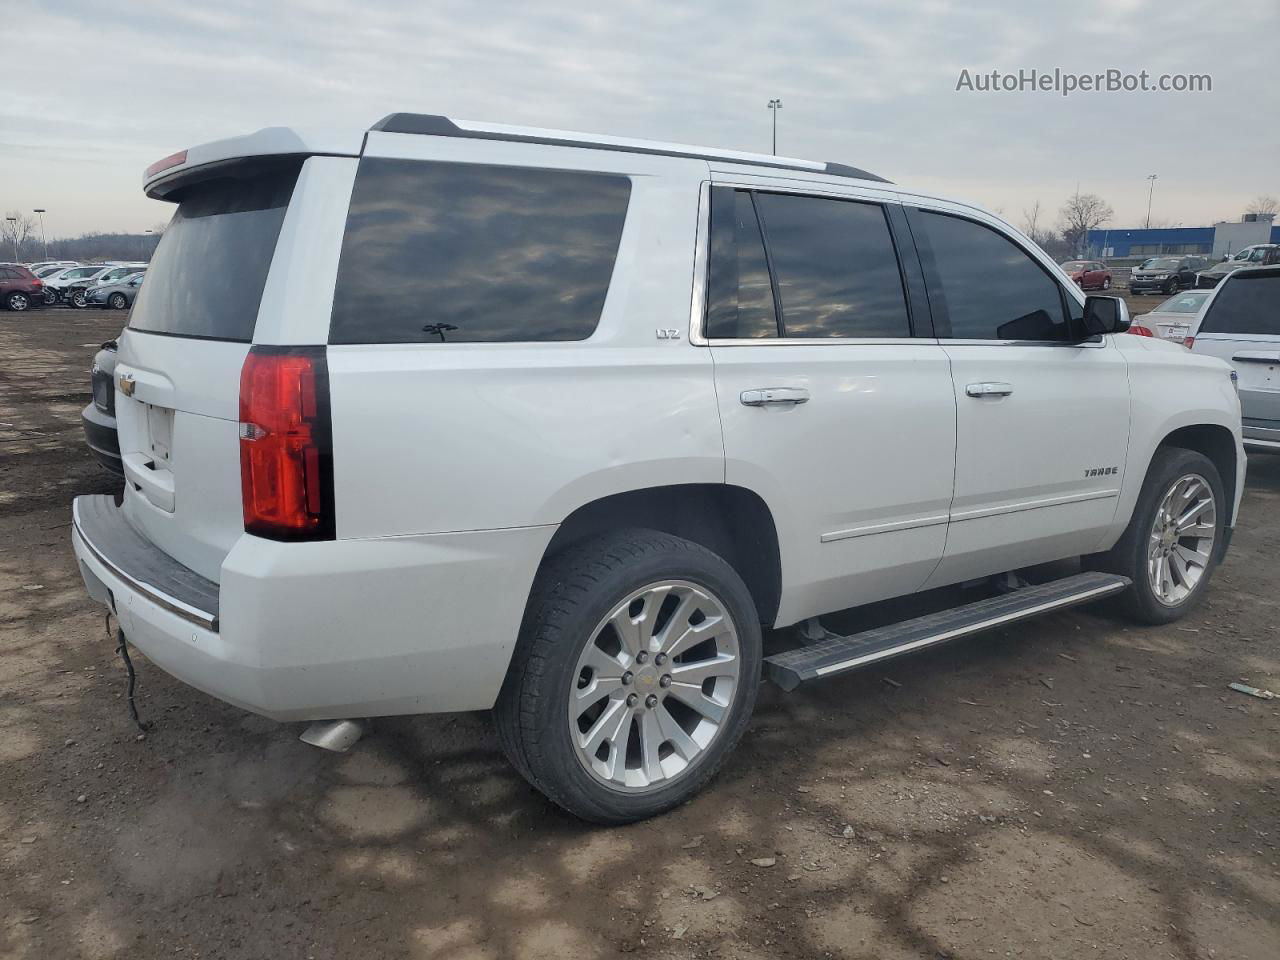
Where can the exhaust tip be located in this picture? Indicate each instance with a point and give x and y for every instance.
(336, 735)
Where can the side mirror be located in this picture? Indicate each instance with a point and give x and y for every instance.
(1104, 315)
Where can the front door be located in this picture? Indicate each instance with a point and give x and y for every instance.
(1042, 421)
(832, 411)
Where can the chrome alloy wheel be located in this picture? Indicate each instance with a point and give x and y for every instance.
(1182, 539)
(654, 685)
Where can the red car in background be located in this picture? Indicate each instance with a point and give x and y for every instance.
(19, 287)
(1088, 274)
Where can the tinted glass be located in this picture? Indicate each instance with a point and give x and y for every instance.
(739, 294)
(990, 289)
(1186, 303)
(835, 267)
(1247, 305)
(208, 271)
(468, 253)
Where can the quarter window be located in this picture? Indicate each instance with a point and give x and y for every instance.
(984, 286)
(470, 253)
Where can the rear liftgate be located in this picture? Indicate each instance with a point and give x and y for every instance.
(836, 655)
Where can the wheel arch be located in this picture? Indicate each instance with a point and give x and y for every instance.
(1217, 443)
(729, 520)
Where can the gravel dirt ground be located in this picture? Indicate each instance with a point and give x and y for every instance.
(1071, 787)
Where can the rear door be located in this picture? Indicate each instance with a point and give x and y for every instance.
(178, 372)
(1242, 326)
(1042, 420)
(840, 418)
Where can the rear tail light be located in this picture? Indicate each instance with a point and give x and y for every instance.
(1189, 342)
(286, 444)
(1138, 330)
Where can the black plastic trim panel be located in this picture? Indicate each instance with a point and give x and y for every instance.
(837, 655)
(142, 565)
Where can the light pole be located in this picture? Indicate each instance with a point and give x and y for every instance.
(43, 236)
(774, 107)
(146, 243)
(1151, 179)
(14, 221)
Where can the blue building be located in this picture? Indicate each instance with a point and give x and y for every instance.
(1157, 240)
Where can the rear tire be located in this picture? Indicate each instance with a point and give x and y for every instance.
(1179, 556)
(17, 302)
(118, 301)
(681, 612)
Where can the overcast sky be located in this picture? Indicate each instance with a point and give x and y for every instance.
(92, 92)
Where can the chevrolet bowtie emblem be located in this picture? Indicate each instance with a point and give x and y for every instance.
(127, 383)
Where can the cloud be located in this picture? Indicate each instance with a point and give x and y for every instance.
(866, 83)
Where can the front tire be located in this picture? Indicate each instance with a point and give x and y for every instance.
(634, 676)
(79, 300)
(1173, 542)
(1106, 283)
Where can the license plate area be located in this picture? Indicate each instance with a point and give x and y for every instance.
(159, 436)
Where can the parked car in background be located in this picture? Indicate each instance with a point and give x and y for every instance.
(1258, 255)
(1241, 324)
(1164, 275)
(99, 417)
(56, 287)
(1174, 319)
(1089, 274)
(77, 294)
(44, 267)
(809, 439)
(118, 295)
(121, 271)
(19, 288)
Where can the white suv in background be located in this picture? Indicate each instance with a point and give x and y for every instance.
(495, 417)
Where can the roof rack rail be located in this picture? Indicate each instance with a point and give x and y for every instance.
(433, 125)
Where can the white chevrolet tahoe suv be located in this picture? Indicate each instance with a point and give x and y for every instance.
(448, 416)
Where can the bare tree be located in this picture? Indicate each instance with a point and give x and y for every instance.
(16, 231)
(1031, 220)
(1082, 213)
(1264, 204)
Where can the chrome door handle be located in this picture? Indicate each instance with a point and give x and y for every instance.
(989, 389)
(774, 395)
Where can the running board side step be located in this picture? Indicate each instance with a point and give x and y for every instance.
(837, 655)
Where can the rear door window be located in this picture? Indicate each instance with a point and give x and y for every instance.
(834, 267)
(470, 253)
(1247, 305)
(206, 277)
(739, 293)
(831, 270)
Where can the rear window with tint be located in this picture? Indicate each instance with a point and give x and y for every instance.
(206, 277)
(1247, 305)
(470, 253)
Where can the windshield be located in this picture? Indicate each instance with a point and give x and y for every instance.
(1243, 254)
(1165, 263)
(1071, 266)
(1190, 302)
(224, 228)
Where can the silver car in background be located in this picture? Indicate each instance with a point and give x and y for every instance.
(1241, 324)
(1175, 318)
